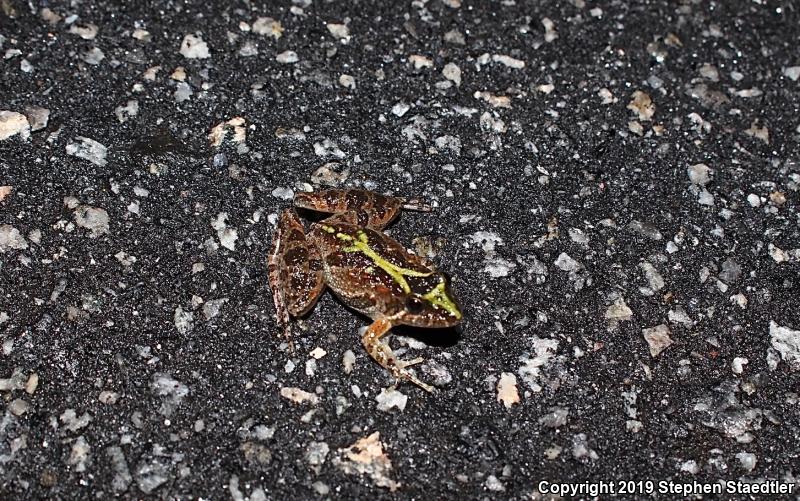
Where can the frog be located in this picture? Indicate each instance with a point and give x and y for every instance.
(370, 272)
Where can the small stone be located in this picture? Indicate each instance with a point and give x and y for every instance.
(171, 392)
(452, 72)
(108, 397)
(93, 56)
(316, 452)
(400, 109)
(141, 35)
(507, 392)
(287, 57)
(606, 96)
(94, 219)
(37, 117)
(555, 418)
(52, 18)
(79, 455)
(493, 484)
(32, 383)
(299, 396)
(71, 420)
(248, 49)
(731, 271)
(366, 457)
(778, 198)
(347, 81)
(88, 149)
(619, 311)
(792, 73)
(183, 91)
(11, 238)
(747, 460)
(737, 366)
(227, 236)
(88, 32)
(131, 109)
(122, 475)
(754, 200)
(283, 193)
(13, 123)
(18, 407)
(493, 100)
(420, 62)
(151, 474)
(508, 61)
(320, 488)
(657, 339)
(348, 360)
(212, 308)
(389, 398)
(454, 37)
(709, 72)
(193, 47)
(179, 75)
(267, 26)
(183, 320)
(318, 353)
(339, 31)
(233, 128)
(690, 466)
(757, 132)
(565, 263)
(642, 105)
(787, 342)
(699, 174)
(330, 174)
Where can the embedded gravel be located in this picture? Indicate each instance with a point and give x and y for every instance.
(616, 190)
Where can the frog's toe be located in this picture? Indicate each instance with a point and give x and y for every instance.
(403, 375)
(408, 363)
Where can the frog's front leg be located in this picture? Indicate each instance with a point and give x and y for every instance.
(379, 350)
(295, 271)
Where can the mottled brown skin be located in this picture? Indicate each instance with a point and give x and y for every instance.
(371, 272)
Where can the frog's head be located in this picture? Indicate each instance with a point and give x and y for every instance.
(435, 307)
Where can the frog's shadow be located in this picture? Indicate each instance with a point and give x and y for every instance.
(440, 338)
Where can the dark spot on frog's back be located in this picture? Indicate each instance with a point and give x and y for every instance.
(295, 235)
(296, 255)
(356, 199)
(314, 265)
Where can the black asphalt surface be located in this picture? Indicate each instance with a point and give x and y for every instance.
(616, 198)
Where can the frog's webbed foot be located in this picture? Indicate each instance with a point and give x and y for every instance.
(383, 354)
(295, 272)
(408, 363)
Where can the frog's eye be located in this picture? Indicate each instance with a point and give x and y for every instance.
(414, 305)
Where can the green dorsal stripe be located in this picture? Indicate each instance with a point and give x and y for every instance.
(438, 297)
(361, 244)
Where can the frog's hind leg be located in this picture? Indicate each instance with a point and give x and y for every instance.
(295, 272)
(379, 350)
(360, 207)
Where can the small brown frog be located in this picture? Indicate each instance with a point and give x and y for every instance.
(368, 270)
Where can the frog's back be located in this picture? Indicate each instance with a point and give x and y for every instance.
(362, 265)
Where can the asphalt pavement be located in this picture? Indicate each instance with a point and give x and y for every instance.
(615, 189)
